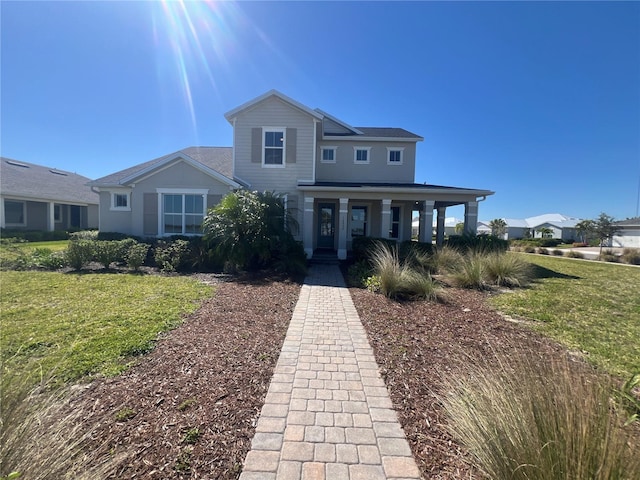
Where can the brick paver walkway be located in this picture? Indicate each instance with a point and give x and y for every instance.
(327, 414)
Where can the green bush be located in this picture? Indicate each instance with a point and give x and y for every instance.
(477, 243)
(470, 272)
(106, 252)
(573, 254)
(557, 252)
(609, 256)
(362, 247)
(526, 417)
(542, 251)
(358, 273)
(79, 253)
(444, 260)
(113, 236)
(84, 235)
(35, 235)
(631, 256)
(47, 259)
(136, 255)
(550, 242)
(172, 256)
(529, 249)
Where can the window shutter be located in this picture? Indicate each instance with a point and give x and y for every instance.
(212, 201)
(256, 145)
(150, 214)
(292, 140)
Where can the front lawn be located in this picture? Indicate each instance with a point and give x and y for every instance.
(63, 327)
(591, 307)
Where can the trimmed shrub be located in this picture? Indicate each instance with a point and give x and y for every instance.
(523, 417)
(79, 253)
(557, 252)
(550, 242)
(363, 247)
(631, 256)
(47, 259)
(112, 236)
(106, 252)
(478, 243)
(172, 256)
(136, 255)
(35, 235)
(84, 235)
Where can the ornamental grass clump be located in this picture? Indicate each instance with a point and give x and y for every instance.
(507, 270)
(396, 279)
(470, 272)
(530, 418)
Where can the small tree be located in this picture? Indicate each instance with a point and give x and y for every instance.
(498, 227)
(459, 228)
(545, 232)
(605, 229)
(585, 229)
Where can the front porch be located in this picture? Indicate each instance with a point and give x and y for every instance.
(334, 214)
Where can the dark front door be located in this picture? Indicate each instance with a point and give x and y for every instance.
(326, 225)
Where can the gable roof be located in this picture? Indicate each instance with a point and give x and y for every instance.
(231, 114)
(216, 161)
(37, 182)
(555, 219)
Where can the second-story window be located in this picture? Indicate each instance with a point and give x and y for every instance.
(274, 147)
(361, 154)
(394, 155)
(328, 155)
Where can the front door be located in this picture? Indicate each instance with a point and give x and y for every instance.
(326, 225)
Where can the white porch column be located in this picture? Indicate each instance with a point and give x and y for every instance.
(51, 217)
(440, 226)
(308, 226)
(386, 218)
(342, 228)
(471, 217)
(426, 221)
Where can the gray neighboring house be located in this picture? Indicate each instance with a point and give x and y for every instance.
(340, 182)
(35, 197)
(629, 234)
(561, 226)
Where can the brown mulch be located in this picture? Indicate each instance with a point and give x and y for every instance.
(212, 374)
(417, 344)
(188, 409)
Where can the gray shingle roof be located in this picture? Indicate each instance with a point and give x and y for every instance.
(219, 159)
(28, 180)
(629, 222)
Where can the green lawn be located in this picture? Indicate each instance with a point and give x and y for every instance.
(71, 326)
(592, 307)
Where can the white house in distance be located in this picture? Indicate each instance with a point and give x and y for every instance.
(339, 181)
(629, 234)
(561, 226)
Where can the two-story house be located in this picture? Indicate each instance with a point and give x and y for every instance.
(339, 181)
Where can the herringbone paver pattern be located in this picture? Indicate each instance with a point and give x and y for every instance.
(327, 414)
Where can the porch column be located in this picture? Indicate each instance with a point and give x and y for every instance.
(471, 217)
(386, 218)
(426, 222)
(440, 226)
(342, 228)
(308, 226)
(51, 217)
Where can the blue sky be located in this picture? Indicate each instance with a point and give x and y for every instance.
(537, 101)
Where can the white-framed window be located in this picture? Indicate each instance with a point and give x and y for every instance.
(121, 201)
(273, 147)
(394, 231)
(394, 155)
(361, 155)
(182, 212)
(57, 213)
(15, 213)
(358, 221)
(328, 154)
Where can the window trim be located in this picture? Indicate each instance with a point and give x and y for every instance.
(367, 222)
(283, 131)
(333, 149)
(114, 207)
(179, 191)
(355, 155)
(395, 149)
(24, 213)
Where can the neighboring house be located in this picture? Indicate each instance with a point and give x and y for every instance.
(340, 182)
(629, 234)
(560, 226)
(34, 197)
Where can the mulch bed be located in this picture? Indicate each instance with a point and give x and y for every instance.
(417, 344)
(212, 374)
(188, 409)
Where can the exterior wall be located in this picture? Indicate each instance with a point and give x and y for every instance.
(37, 216)
(377, 170)
(628, 238)
(272, 112)
(179, 175)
